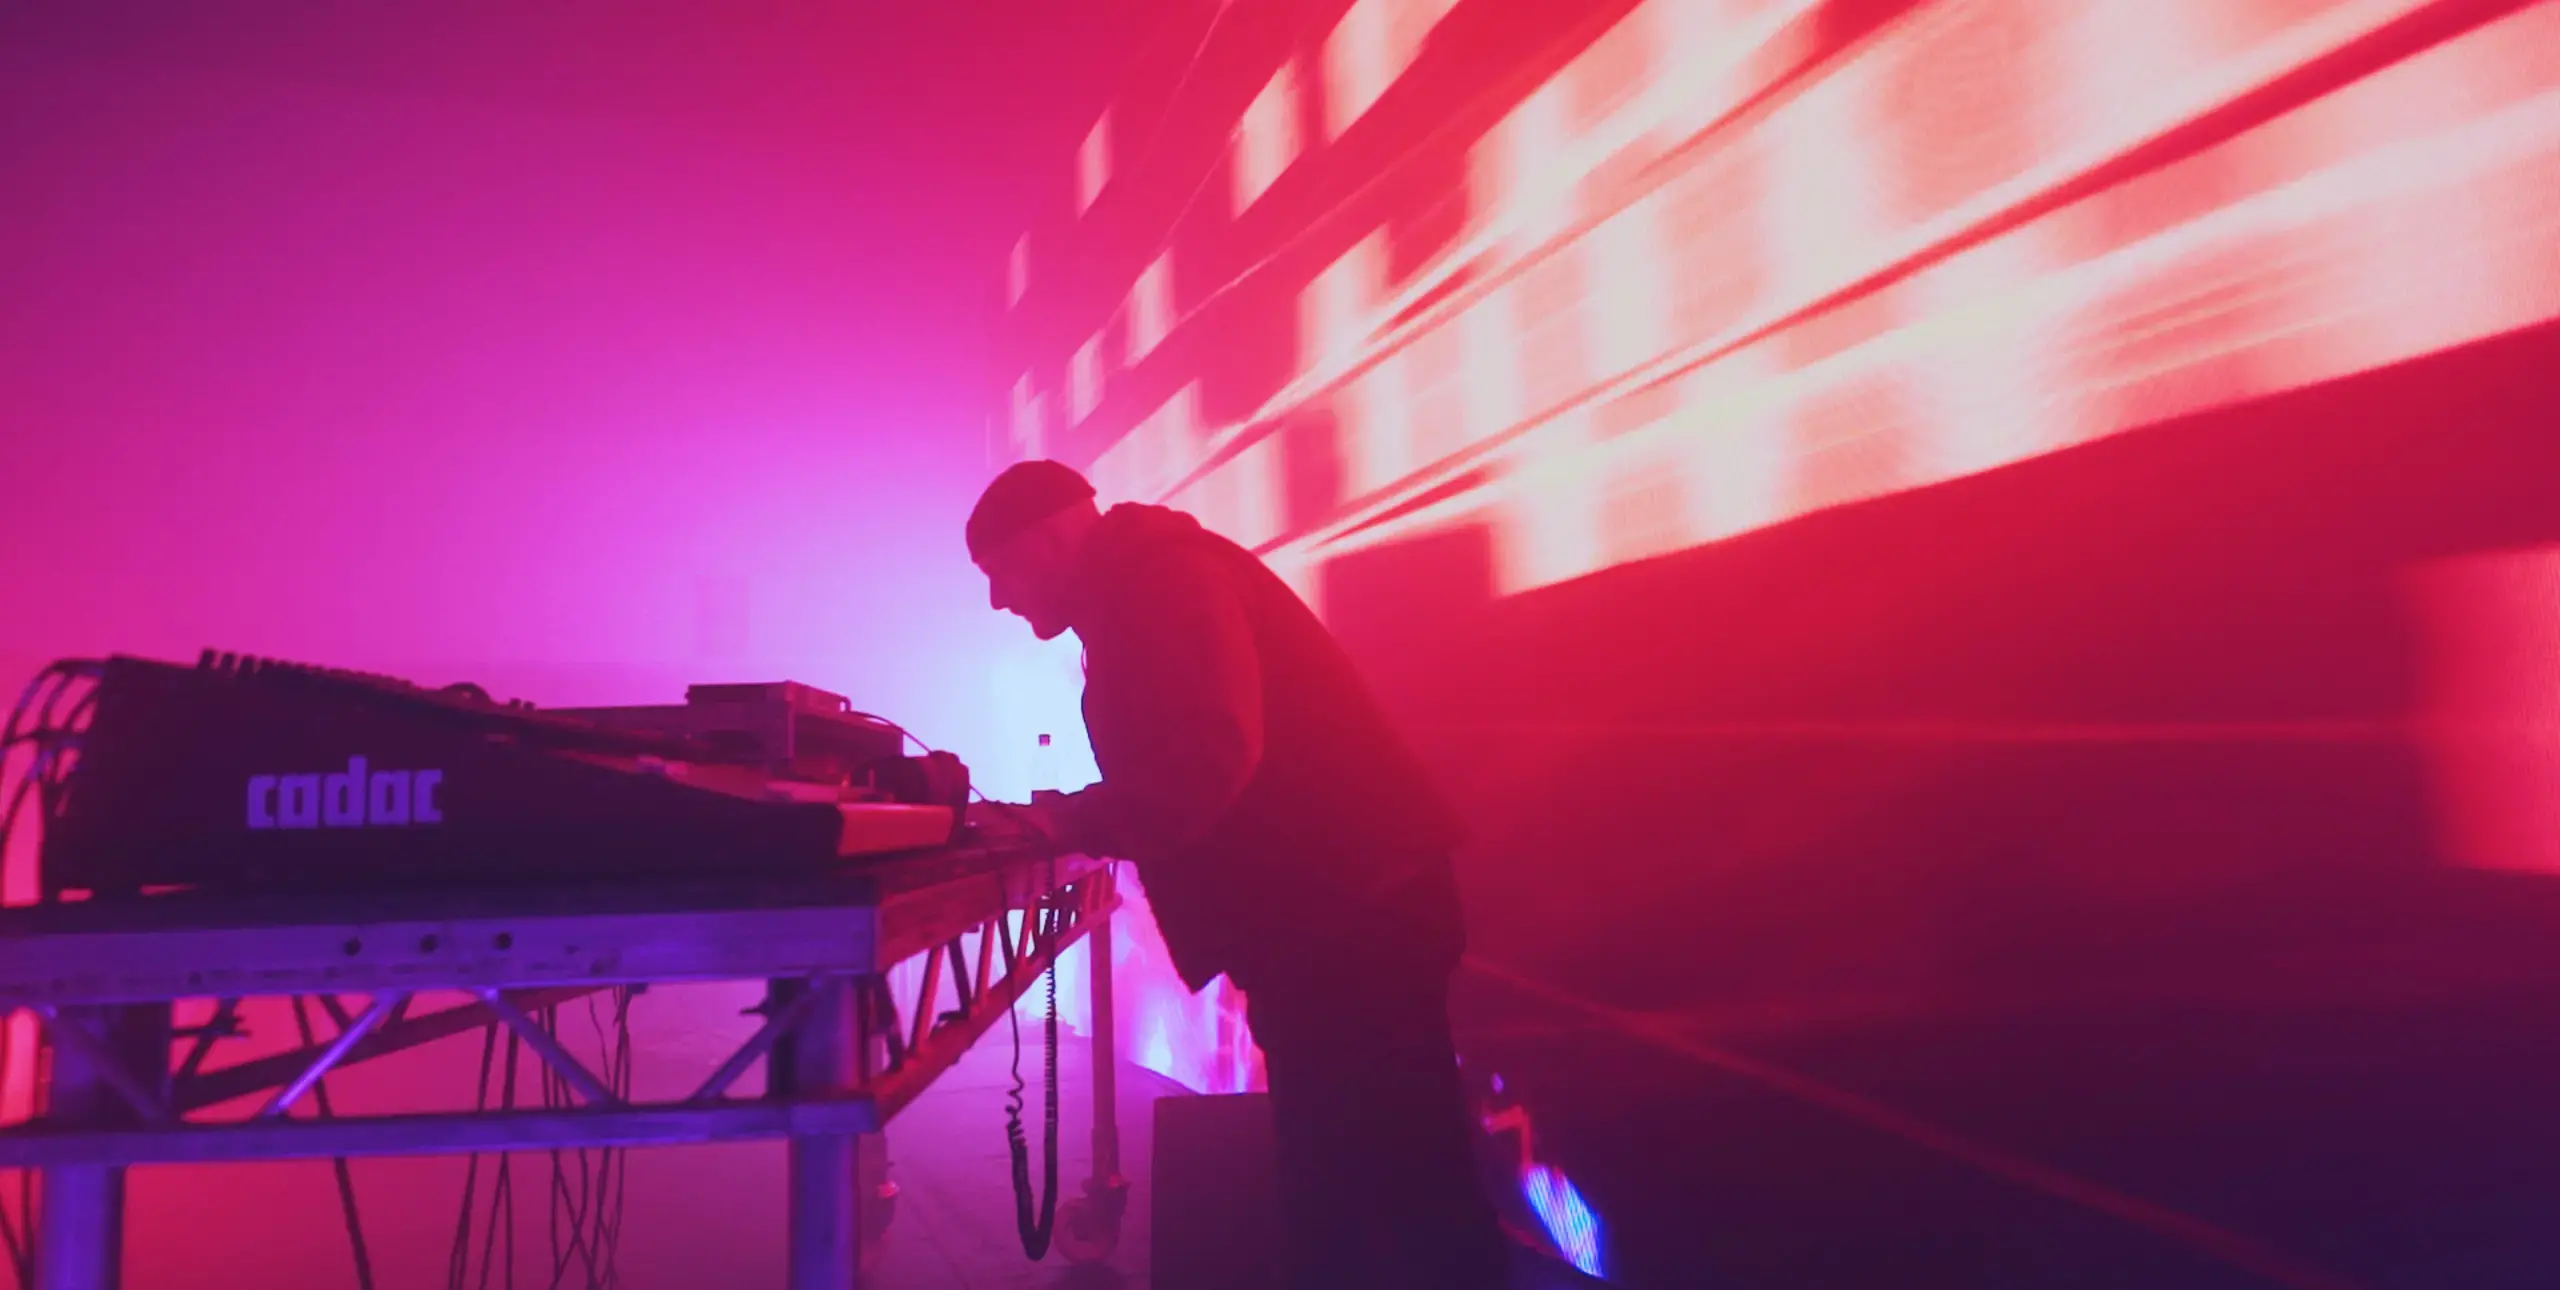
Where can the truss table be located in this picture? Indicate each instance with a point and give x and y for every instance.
(842, 1055)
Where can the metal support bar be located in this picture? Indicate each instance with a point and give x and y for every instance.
(116, 963)
(224, 1024)
(548, 1048)
(79, 1236)
(961, 982)
(880, 1018)
(103, 979)
(336, 1048)
(441, 1133)
(215, 1087)
(337, 1011)
(1106, 1073)
(774, 1028)
(104, 1065)
(825, 1196)
(919, 1066)
(986, 960)
(926, 998)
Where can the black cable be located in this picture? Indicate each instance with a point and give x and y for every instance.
(604, 1202)
(613, 1181)
(506, 1169)
(626, 1055)
(46, 766)
(26, 787)
(584, 1214)
(1018, 813)
(894, 728)
(1036, 1229)
(457, 1267)
(565, 1202)
(557, 1195)
(346, 1176)
(1036, 1223)
(50, 682)
(502, 1207)
(40, 779)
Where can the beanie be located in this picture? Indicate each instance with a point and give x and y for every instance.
(1026, 493)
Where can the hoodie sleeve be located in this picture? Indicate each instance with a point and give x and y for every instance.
(1174, 710)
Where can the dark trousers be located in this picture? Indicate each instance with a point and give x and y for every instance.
(1375, 1139)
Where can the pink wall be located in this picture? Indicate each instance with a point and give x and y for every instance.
(1881, 509)
(403, 381)
(581, 358)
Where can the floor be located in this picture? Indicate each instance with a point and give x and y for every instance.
(2144, 1145)
(691, 1217)
(954, 1225)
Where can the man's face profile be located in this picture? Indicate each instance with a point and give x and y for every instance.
(1024, 578)
(1024, 534)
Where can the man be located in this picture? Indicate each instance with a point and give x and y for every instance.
(1288, 839)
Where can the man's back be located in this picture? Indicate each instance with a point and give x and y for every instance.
(1337, 831)
(1288, 839)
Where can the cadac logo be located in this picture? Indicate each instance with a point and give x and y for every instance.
(357, 799)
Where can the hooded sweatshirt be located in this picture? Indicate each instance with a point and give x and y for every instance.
(1271, 808)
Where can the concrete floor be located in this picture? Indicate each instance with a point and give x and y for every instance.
(692, 1217)
(954, 1225)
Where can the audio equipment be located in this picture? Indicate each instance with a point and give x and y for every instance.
(784, 728)
(249, 773)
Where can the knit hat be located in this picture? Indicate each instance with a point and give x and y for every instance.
(1025, 494)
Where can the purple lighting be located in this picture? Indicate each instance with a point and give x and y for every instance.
(1569, 1222)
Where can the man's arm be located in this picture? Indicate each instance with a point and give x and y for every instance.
(1182, 684)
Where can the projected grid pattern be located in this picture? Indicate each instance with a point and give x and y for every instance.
(1728, 266)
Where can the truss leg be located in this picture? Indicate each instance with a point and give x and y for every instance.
(822, 1055)
(1106, 1057)
(1089, 1226)
(80, 1227)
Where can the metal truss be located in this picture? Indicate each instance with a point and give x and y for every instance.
(843, 1051)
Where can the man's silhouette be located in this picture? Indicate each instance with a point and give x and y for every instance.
(1288, 839)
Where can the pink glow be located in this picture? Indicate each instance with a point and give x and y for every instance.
(1268, 139)
(599, 382)
(1695, 294)
(1830, 218)
(2490, 716)
(1823, 229)
(582, 359)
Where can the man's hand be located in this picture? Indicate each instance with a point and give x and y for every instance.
(1045, 819)
(1056, 817)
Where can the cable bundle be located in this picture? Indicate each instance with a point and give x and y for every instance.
(345, 1173)
(49, 717)
(501, 1213)
(1036, 1229)
(585, 1217)
(55, 740)
(592, 1212)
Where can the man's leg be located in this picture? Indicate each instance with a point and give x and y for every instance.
(1437, 1229)
(1324, 1221)
(1375, 1139)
